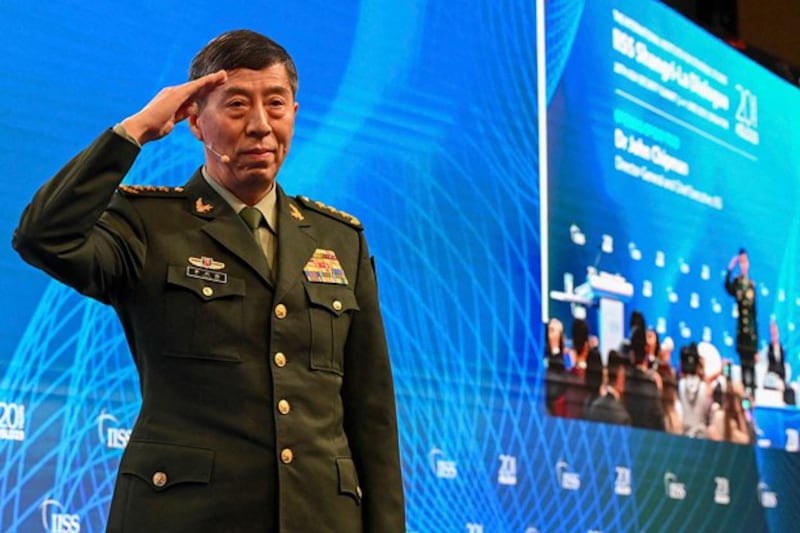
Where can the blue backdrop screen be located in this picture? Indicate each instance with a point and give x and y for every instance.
(422, 118)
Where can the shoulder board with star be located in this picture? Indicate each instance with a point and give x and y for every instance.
(332, 212)
(151, 191)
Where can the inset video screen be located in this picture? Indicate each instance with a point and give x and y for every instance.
(667, 154)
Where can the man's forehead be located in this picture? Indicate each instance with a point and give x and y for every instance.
(273, 79)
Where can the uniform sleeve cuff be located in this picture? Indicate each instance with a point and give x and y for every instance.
(120, 130)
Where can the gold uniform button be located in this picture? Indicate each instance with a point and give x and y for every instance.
(159, 479)
(287, 455)
(280, 359)
(280, 311)
(284, 407)
(337, 305)
(207, 291)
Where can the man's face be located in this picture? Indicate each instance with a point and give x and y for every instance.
(650, 339)
(744, 263)
(249, 122)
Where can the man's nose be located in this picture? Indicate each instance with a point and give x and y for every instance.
(258, 122)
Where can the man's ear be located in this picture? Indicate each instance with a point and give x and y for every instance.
(194, 121)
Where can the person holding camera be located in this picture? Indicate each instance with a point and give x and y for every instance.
(694, 393)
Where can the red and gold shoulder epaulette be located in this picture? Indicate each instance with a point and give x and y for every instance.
(332, 212)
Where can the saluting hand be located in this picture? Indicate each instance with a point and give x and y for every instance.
(171, 105)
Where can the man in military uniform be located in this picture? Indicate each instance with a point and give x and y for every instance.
(253, 317)
(744, 290)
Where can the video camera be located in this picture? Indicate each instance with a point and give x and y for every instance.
(689, 359)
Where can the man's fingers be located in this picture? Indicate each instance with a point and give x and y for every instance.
(189, 107)
(196, 90)
(202, 86)
(170, 106)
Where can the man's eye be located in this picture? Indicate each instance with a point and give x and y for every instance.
(236, 103)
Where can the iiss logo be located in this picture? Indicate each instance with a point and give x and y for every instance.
(12, 421)
(56, 520)
(110, 433)
(443, 468)
(722, 492)
(507, 474)
(674, 489)
(766, 496)
(792, 440)
(566, 479)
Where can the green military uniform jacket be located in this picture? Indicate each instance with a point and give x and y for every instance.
(744, 290)
(266, 406)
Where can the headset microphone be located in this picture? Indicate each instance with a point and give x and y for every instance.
(224, 158)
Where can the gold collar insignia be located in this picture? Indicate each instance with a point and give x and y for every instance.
(296, 214)
(201, 207)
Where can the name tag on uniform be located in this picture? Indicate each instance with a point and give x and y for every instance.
(324, 267)
(207, 269)
(206, 275)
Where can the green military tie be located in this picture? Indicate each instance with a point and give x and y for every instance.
(254, 219)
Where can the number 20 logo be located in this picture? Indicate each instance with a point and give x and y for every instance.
(12, 416)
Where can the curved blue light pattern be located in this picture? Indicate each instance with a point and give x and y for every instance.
(420, 119)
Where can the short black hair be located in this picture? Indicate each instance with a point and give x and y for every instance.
(594, 370)
(637, 344)
(580, 334)
(636, 320)
(242, 49)
(689, 359)
(616, 364)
